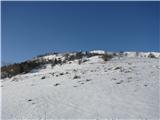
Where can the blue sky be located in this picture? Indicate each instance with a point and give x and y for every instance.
(33, 28)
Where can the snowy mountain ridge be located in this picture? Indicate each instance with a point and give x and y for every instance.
(100, 52)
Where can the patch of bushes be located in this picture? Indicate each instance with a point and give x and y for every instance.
(17, 68)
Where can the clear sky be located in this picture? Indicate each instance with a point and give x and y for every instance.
(33, 28)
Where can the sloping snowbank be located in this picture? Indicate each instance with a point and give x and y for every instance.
(126, 88)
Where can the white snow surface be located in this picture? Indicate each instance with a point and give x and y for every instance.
(126, 88)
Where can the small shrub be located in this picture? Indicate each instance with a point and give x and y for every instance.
(88, 54)
(88, 80)
(121, 81)
(125, 54)
(61, 74)
(114, 54)
(117, 68)
(74, 70)
(67, 72)
(56, 84)
(121, 53)
(79, 55)
(43, 77)
(114, 79)
(52, 63)
(151, 55)
(76, 77)
(106, 57)
(145, 85)
(29, 100)
(80, 61)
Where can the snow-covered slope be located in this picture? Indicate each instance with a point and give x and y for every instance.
(125, 88)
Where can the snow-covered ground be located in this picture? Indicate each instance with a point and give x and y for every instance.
(125, 88)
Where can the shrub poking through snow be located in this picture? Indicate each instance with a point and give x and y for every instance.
(145, 85)
(114, 79)
(88, 80)
(29, 100)
(43, 77)
(76, 77)
(151, 56)
(67, 72)
(119, 82)
(117, 68)
(52, 74)
(106, 57)
(61, 74)
(74, 70)
(80, 61)
(56, 84)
